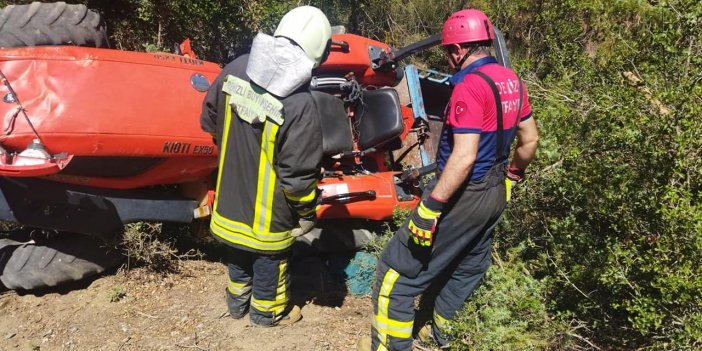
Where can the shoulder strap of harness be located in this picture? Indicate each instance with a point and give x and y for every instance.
(500, 154)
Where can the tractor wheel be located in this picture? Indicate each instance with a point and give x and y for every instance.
(56, 23)
(46, 262)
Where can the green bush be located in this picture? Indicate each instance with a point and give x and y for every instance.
(509, 312)
(612, 209)
(381, 238)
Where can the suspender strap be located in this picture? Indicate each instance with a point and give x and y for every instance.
(500, 137)
(500, 121)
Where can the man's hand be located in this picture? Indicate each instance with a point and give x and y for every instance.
(515, 174)
(306, 225)
(424, 219)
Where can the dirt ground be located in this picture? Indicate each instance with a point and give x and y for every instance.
(142, 310)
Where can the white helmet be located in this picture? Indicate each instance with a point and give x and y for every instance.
(309, 28)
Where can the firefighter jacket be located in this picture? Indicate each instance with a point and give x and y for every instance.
(270, 150)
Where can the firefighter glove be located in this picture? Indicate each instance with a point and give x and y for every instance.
(306, 225)
(423, 221)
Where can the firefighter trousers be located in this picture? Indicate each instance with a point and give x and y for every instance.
(259, 284)
(461, 250)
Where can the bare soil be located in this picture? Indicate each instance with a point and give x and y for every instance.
(186, 310)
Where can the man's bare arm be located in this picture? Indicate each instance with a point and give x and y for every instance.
(458, 166)
(527, 141)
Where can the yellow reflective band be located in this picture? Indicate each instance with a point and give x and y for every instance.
(267, 305)
(265, 190)
(281, 298)
(251, 242)
(427, 213)
(382, 347)
(383, 301)
(263, 173)
(441, 322)
(310, 211)
(392, 327)
(304, 198)
(384, 297)
(242, 228)
(238, 288)
(223, 151)
(216, 225)
(272, 133)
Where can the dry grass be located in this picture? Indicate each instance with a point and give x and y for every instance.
(148, 245)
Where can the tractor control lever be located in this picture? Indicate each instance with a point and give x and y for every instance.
(348, 196)
(343, 45)
(413, 174)
(353, 153)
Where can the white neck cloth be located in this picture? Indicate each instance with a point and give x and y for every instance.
(278, 65)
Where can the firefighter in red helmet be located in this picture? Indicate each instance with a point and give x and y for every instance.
(449, 234)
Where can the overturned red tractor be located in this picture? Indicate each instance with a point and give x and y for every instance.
(95, 138)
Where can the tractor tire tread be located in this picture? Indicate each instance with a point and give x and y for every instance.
(38, 266)
(51, 24)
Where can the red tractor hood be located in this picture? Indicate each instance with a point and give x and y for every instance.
(89, 102)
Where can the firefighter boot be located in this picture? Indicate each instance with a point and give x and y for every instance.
(294, 316)
(364, 344)
(425, 334)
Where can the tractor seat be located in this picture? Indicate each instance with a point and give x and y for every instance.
(379, 118)
(335, 123)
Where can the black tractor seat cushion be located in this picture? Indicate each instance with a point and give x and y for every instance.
(336, 125)
(378, 118)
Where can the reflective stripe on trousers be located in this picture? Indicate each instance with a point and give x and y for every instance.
(382, 323)
(276, 306)
(238, 289)
(441, 323)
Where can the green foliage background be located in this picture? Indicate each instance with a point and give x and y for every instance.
(609, 221)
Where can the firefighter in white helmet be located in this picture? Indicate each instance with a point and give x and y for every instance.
(267, 129)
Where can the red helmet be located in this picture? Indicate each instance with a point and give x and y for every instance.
(467, 26)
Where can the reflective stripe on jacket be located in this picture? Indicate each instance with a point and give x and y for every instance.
(267, 176)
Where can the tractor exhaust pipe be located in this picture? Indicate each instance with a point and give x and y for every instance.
(499, 43)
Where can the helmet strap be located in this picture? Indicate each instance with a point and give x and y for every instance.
(459, 64)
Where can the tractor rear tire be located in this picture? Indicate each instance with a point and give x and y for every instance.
(46, 263)
(56, 23)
